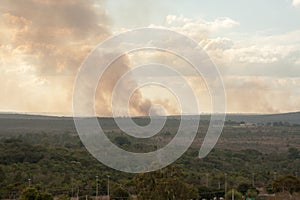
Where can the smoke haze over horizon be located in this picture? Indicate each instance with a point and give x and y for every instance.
(44, 42)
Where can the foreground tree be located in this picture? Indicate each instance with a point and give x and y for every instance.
(293, 153)
(244, 187)
(252, 193)
(63, 197)
(287, 183)
(119, 193)
(237, 195)
(31, 193)
(164, 184)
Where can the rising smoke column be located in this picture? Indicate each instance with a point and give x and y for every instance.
(42, 45)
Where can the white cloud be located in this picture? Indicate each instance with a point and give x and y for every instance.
(248, 49)
(217, 44)
(198, 29)
(260, 71)
(296, 2)
(270, 49)
(261, 53)
(222, 22)
(256, 52)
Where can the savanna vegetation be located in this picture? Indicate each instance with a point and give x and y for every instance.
(46, 165)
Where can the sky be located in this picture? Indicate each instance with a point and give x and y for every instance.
(255, 45)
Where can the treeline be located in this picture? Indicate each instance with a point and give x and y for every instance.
(59, 165)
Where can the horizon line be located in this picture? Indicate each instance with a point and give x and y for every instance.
(48, 114)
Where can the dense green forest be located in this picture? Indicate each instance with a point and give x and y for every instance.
(58, 164)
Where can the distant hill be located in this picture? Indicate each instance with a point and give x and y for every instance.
(30, 116)
(292, 118)
(22, 123)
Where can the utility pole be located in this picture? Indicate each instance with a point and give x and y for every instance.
(72, 187)
(29, 182)
(96, 187)
(225, 183)
(207, 183)
(232, 194)
(78, 193)
(108, 187)
(253, 184)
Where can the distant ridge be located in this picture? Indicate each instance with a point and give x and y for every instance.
(13, 123)
(30, 116)
(292, 117)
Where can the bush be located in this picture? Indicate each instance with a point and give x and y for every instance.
(119, 193)
(120, 140)
(31, 193)
(237, 195)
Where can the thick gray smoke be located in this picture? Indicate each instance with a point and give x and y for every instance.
(42, 45)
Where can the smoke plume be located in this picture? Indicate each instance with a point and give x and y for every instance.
(42, 45)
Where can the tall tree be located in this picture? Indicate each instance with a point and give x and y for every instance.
(287, 183)
(164, 184)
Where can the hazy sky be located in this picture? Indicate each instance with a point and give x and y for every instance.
(255, 44)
